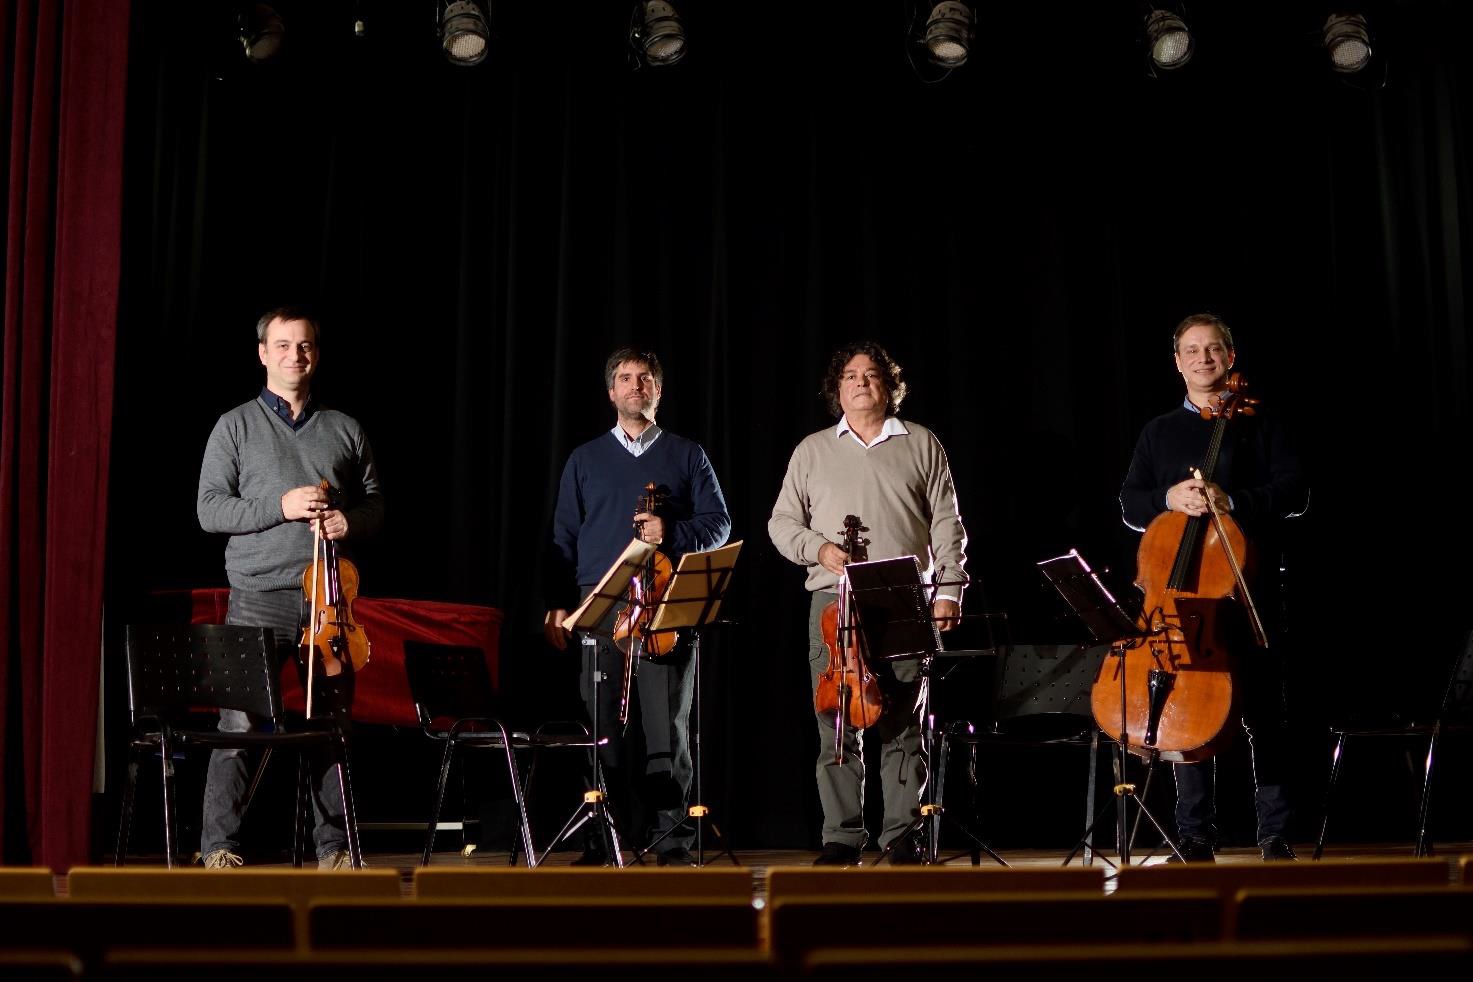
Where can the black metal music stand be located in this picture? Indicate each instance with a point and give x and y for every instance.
(1108, 623)
(593, 611)
(691, 603)
(894, 622)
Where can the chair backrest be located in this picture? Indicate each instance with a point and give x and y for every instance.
(448, 681)
(583, 883)
(21, 882)
(799, 924)
(175, 668)
(898, 881)
(1046, 685)
(1229, 878)
(1457, 701)
(296, 886)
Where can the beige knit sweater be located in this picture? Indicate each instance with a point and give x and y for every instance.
(900, 488)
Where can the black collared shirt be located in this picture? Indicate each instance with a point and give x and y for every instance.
(284, 408)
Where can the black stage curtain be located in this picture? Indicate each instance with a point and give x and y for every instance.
(1022, 235)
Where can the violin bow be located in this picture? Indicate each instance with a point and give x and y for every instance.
(1258, 633)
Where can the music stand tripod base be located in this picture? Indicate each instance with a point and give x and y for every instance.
(691, 602)
(1107, 623)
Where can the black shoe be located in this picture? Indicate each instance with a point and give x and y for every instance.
(1194, 849)
(837, 854)
(593, 855)
(1276, 849)
(679, 856)
(907, 854)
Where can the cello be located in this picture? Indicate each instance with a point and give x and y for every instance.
(847, 689)
(330, 583)
(632, 623)
(1179, 691)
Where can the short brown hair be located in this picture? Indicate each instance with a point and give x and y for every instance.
(288, 314)
(648, 358)
(895, 386)
(1203, 320)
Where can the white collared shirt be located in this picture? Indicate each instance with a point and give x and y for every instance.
(639, 444)
(893, 427)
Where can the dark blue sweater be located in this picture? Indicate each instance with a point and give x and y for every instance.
(594, 519)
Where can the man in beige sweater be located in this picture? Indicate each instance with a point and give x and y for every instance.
(894, 476)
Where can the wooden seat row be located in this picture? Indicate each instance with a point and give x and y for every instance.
(1432, 957)
(731, 883)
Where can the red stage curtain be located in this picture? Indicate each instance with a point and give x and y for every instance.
(64, 74)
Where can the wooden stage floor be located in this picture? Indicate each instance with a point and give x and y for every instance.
(762, 859)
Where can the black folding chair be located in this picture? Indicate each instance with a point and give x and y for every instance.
(456, 704)
(1040, 697)
(1454, 713)
(174, 671)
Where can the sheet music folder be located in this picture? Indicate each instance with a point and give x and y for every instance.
(610, 590)
(1087, 596)
(693, 597)
(894, 608)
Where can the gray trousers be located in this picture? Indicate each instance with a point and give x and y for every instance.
(902, 764)
(648, 772)
(227, 780)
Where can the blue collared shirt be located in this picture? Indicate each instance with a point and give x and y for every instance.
(638, 444)
(283, 408)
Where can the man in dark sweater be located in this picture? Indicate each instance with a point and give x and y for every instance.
(1260, 481)
(260, 483)
(594, 520)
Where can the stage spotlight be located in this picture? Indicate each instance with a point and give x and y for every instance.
(260, 32)
(1348, 42)
(1170, 41)
(463, 33)
(656, 33)
(949, 33)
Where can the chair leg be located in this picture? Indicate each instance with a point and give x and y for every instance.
(525, 825)
(125, 816)
(1335, 758)
(350, 812)
(1423, 846)
(299, 813)
(439, 801)
(1091, 777)
(167, 767)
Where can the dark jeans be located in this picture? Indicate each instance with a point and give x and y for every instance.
(658, 753)
(1261, 679)
(228, 779)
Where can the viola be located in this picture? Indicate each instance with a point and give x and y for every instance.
(331, 636)
(1179, 675)
(847, 689)
(632, 623)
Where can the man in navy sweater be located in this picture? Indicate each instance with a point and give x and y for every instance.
(1260, 482)
(594, 520)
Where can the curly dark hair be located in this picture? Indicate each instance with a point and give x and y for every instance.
(889, 368)
(1203, 320)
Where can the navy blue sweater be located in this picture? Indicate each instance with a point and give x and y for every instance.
(594, 519)
(1257, 466)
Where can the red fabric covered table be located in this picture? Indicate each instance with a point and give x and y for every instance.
(381, 692)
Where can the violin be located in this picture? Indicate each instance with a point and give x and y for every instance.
(632, 622)
(331, 636)
(847, 689)
(1179, 675)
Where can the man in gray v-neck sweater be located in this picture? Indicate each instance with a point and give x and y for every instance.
(260, 483)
